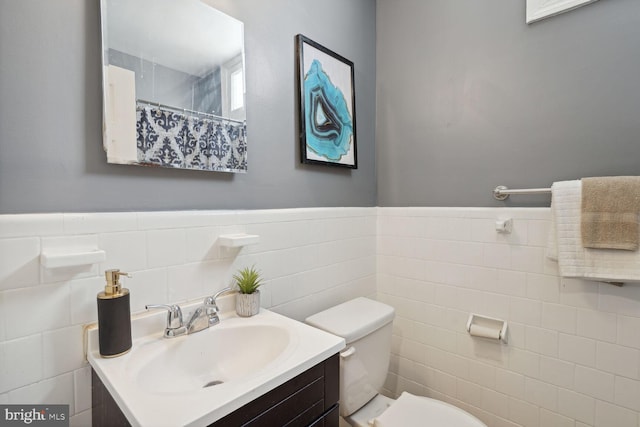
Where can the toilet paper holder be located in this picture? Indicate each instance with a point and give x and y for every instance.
(487, 327)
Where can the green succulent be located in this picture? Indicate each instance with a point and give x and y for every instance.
(247, 280)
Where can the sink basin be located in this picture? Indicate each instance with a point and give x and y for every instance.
(196, 379)
(208, 358)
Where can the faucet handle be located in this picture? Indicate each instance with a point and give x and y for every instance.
(211, 310)
(211, 301)
(174, 314)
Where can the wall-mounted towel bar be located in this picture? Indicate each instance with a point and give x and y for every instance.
(502, 193)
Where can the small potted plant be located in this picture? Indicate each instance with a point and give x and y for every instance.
(247, 281)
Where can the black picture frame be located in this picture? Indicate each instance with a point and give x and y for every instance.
(326, 106)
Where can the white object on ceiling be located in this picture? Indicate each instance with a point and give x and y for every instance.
(540, 9)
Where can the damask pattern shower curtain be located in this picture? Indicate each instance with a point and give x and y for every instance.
(170, 139)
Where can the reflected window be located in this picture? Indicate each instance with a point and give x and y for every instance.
(237, 95)
(233, 89)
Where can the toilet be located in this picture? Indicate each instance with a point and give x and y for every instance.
(365, 325)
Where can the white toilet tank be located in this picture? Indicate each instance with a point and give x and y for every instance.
(366, 326)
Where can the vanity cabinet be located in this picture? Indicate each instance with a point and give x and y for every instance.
(309, 399)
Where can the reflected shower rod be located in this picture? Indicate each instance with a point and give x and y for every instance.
(186, 110)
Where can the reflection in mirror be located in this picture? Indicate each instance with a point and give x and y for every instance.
(173, 85)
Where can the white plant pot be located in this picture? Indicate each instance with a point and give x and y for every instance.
(248, 305)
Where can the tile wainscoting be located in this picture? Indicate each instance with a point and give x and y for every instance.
(573, 356)
(311, 259)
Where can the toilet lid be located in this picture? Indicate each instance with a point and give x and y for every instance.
(415, 411)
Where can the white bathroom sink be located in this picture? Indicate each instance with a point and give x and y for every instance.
(196, 379)
(208, 358)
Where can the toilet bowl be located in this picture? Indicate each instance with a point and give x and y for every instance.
(411, 411)
(365, 325)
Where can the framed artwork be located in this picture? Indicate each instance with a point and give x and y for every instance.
(327, 106)
(540, 9)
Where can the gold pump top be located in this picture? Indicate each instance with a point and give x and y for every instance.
(113, 287)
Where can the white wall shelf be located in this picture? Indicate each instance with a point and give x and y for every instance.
(238, 240)
(58, 258)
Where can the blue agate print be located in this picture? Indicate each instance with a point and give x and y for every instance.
(329, 126)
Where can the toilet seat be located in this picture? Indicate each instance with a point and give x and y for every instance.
(416, 411)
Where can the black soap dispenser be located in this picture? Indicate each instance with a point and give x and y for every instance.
(114, 316)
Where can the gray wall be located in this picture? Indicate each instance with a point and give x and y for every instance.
(51, 156)
(470, 97)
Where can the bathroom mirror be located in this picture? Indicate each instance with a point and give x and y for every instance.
(173, 85)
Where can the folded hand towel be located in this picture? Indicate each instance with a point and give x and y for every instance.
(565, 242)
(609, 217)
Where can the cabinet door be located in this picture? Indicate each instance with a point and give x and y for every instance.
(331, 418)
(301, 401)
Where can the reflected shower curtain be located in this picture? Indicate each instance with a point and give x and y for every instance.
(169, 139)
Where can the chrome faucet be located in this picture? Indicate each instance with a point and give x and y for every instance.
(175, 324)
(198, 321)
(204, 316)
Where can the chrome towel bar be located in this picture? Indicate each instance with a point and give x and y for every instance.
(502, 193)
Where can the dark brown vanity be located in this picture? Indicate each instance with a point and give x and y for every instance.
(309, 399)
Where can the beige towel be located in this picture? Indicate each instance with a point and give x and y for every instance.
(565, 239)
(609, 216)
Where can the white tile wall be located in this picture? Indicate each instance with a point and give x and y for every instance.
(573, 355)
(311, 259)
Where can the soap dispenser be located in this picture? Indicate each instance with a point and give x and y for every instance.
(114, 316)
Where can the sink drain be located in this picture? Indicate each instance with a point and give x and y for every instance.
(212, 383)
